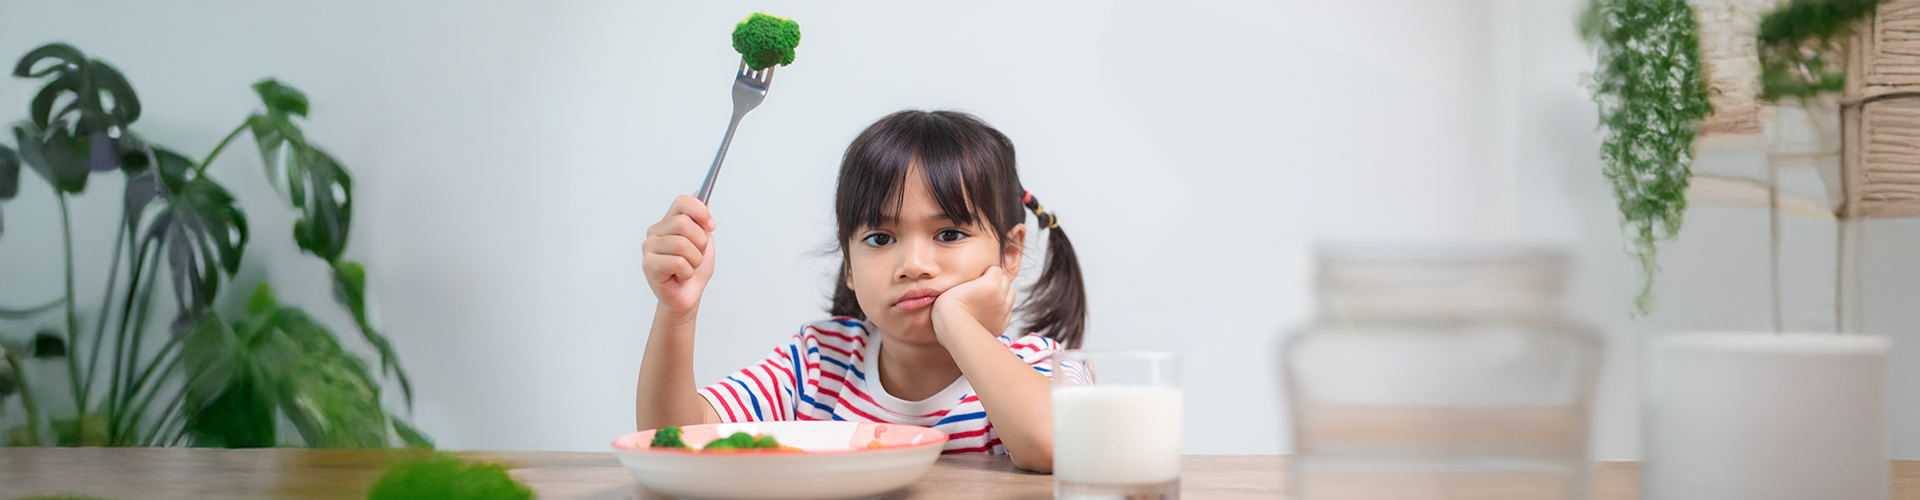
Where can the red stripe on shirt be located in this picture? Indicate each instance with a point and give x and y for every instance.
(835, 334)
(826, 393)
(830, 375)
(963, 435)
(778, 394)
(976, 449)
(869, 417)
(737, 400)
(780, 374)
(723, 403)
(843, 352)
(763, 390)
(876, 404)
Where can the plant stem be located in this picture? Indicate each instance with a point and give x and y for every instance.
(140, 382)
(168, 417)
(135, 264)
(100, 327)
(80, 387)
(217, 149)
(26, 398)
(28, 312)
(140, 295)
(133, 420)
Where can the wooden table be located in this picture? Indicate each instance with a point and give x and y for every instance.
(179, 473)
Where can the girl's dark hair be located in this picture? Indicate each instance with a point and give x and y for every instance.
(969, 168)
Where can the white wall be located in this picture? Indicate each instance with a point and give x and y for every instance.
(510, 154)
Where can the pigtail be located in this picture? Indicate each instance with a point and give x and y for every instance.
(844, 302)
(1057, 304)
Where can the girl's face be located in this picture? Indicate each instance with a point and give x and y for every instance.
(897, 269)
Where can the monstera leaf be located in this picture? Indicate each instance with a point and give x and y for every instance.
(100, 104)
(225, 405)
(202, 229)
(100, 97)
(322, 189)
(350, 288)
(280, 360)
(274, 130)
(327, 212)
(326, 393)
(57, 153)
(315, 182)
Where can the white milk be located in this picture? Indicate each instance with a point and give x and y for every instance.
(1116, 434)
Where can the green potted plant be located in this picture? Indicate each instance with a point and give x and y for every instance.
(218, 378)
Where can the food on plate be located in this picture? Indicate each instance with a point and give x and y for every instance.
(741, 441)
(737, 441)
(668, 437)
(764, 40)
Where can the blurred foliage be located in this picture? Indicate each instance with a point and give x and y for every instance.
(442, 475)
(278, 361)
(1803, 46)
(1649, 86)
(219, 382)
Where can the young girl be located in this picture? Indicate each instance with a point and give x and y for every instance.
(931, 228)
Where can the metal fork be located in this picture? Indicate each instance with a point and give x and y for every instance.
(749, 88)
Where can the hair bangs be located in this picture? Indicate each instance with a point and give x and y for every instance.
(943, 149)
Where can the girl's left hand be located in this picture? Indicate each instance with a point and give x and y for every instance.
(987, 300)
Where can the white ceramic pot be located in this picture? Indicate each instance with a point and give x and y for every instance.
(1764, 416)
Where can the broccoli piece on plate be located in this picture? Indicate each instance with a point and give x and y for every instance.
(764, 40)
(742, 441)
(766, 441)
(668, 437)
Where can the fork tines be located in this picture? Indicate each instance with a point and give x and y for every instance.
(763, 76)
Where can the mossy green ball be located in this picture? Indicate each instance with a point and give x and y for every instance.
(443, 475)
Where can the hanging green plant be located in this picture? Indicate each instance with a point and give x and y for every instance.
(1652, 95)
(1803, 46)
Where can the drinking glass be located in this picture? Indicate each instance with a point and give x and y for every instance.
(1441, 372)
(1116, 425)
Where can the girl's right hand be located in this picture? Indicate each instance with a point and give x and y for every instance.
(679, 255)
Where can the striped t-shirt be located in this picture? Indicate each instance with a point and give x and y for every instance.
(828, 372)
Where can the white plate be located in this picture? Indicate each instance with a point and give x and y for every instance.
(835, 461)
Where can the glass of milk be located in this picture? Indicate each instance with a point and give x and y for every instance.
(1116, 425)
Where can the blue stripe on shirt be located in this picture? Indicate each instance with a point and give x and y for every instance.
(808, 398)
(756, 399)
(961, 418)
(798, 376)
(843, 366)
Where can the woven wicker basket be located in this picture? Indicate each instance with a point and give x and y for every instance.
(1880, 116)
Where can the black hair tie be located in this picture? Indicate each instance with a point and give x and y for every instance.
(1048, 219)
